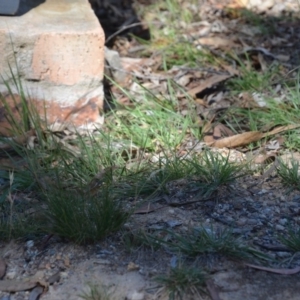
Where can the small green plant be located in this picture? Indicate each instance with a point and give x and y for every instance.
(213, 171)
(200, 241)
(292, 239)
(83, 217)
(14, 223)
(97, 292)
(135, 240)
(289, 174)
(266, 26)
(153, 124)
(183, 282)
(253, 80)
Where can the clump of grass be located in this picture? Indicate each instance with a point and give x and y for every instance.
(58, 173)
(213, 171)
(97, 292)
(291, 240)
(199, 241)
(83, 217)
(267, 26)
(14, 221)
(182, 282)
(289, 174)
(137, 239)
(253, 80)
(153, 123)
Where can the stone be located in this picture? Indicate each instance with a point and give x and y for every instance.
(279, 227)
(11, 274)
(261, 5)
(113, 68)
(135, 295)
(58, 61)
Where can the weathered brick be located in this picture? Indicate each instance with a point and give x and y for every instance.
(56, 49)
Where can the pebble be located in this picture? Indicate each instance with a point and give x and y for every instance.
(64, 275)
(229, 219)
(282, 254)
(241, 222)
(132, 266)
(263, 217)
(262, 192)
(252, 222)
(279, 227)
(135, 295)
(29, 244)
(267, 210)
(11, 274)
(283, 221)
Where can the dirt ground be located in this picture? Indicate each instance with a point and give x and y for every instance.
(128, 272)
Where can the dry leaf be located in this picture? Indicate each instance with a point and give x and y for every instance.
(131, 64)
(262, 62)
(231, 70)
(67, 262)
(248, 101)
(232, 4)
(266, 52)
(283, 57)
(246, 138)
(263, 158)
(276, 271)
(281, 129)
(221, 130)
(238, 140)
(132, 266)
(200, 101)
(209, 82)
(2, 268)
(216, 42)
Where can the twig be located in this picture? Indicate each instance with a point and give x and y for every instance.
(271, 247)
(123, 28)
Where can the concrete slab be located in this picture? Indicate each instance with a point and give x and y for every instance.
(56, 48)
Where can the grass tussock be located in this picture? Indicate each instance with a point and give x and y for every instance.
(291, 239)
(183, 282)
(97, 292)
(201, 241)
(289, 174)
